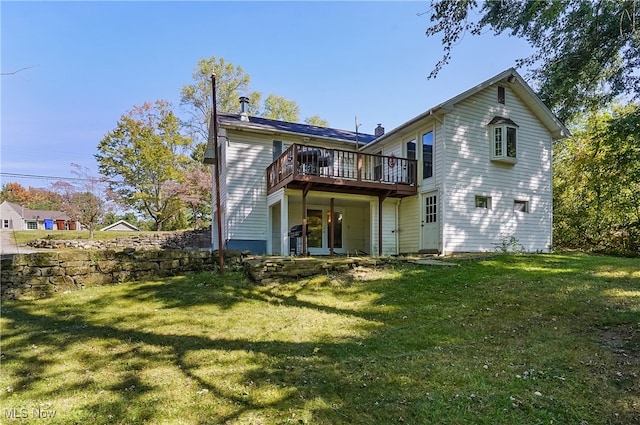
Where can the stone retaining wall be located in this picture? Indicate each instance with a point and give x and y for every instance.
(37, 275)
(267, 270)
(189, 239)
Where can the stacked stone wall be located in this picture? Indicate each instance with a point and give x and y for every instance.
(38, 275)
(162, 240)
(267, 270)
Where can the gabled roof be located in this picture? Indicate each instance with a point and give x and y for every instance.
(296, 129)
(121, 224)
(514, 81)
(29, 214)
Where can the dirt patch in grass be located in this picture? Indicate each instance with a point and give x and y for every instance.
(624, 342)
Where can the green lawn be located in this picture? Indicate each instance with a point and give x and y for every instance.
(544, 339)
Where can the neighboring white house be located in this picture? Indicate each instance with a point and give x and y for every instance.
(17, 217)
(464, 176)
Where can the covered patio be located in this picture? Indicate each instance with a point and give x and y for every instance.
(326, 181)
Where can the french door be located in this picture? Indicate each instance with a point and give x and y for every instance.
(319, 221)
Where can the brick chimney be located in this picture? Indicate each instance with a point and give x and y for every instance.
(244, 108)
(379, 131)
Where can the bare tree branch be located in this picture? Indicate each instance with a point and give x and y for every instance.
(20, 70)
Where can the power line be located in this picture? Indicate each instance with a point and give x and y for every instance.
(35, 176)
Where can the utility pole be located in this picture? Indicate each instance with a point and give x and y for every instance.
(214, 117)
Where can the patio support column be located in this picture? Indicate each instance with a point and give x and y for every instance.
(331, 226)
(284, 226)
(381, 199)
(380, 225)
(304, 218)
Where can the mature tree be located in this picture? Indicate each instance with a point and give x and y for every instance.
(44, 199)
(231, 83)
(145, 158)
(197, 198)
(84, 199)
(33, 197)
(317, 121)
(16, 193)
(586, 52)
(597, 183)
(279, 108)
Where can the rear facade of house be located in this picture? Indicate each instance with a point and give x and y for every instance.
(468, 175)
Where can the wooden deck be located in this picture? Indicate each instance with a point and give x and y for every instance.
(335, 170)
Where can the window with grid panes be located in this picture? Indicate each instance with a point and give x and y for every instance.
(430, 209)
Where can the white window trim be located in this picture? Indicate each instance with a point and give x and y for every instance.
(503, 125)
(488, 205)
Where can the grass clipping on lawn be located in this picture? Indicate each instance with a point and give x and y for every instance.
(510, 339)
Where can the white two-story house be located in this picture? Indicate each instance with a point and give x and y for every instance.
(464, 176)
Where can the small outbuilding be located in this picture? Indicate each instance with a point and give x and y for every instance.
(120, 226)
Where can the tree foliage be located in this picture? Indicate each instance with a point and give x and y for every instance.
(586, 52)
(279, 108)
(231, 83)
(83, 200)
(33, 198)
(597, 183)
(145, 158)
(197, 197)
(317, 121)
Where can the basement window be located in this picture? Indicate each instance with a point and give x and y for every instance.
(521, 206)
(483, 202)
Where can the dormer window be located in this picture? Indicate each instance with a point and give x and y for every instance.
(503, 136)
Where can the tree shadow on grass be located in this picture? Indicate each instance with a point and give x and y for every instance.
(415, 365)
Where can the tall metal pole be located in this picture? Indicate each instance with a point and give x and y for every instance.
(214, 117)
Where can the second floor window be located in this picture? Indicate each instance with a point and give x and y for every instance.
(277, 149)
(411, 154)
(427, 155)
(503, 134)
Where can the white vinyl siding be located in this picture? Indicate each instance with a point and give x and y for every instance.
(409, 224)
(355, 220)
(388, 227)
(246, 189)
(389, 233)
(470, 172)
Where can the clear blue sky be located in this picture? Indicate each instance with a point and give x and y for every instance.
(91, 62)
